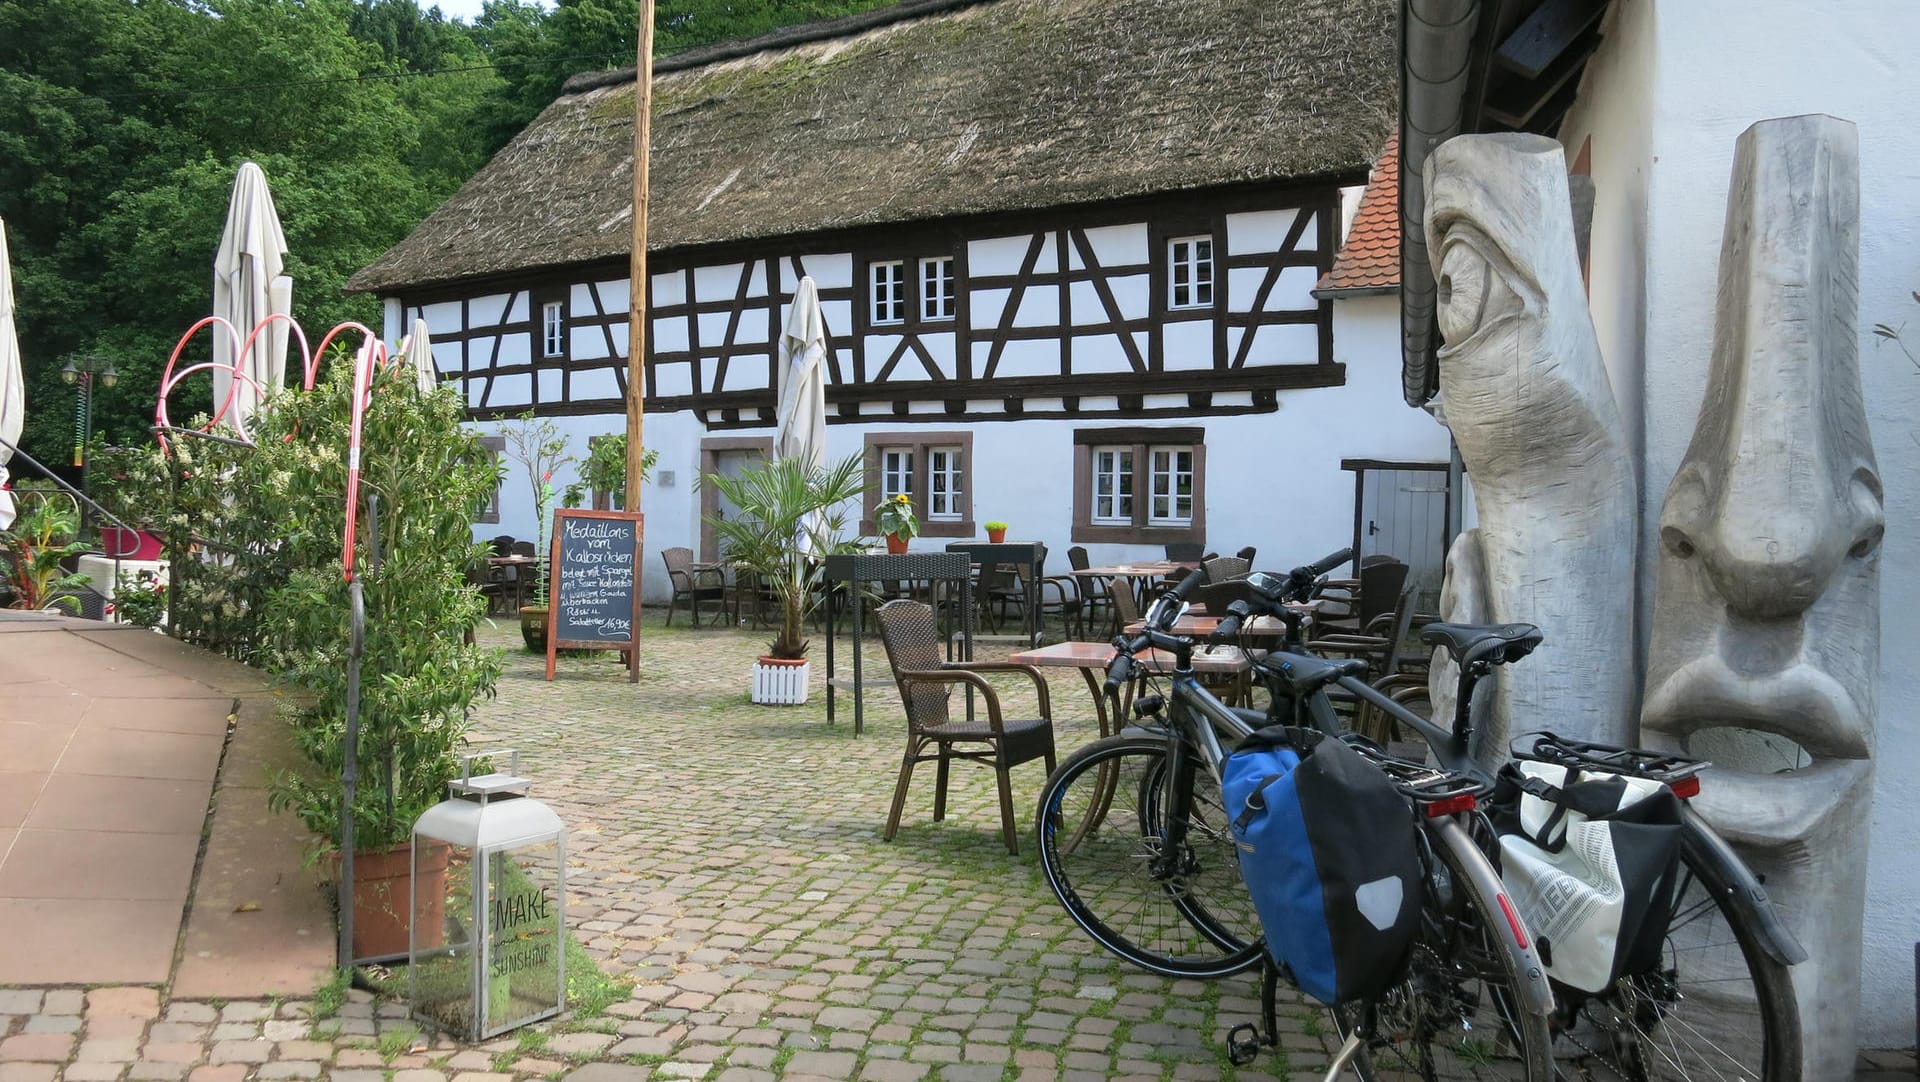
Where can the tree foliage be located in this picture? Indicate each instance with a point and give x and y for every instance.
(122, 125)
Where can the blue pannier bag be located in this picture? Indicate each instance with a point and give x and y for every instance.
(1327, 849)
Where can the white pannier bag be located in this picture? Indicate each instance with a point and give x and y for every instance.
(1590, 861)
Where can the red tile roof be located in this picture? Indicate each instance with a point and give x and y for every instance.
(1369, 262)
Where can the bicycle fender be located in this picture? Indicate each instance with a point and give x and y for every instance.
(1743, 888)
(1536, 995)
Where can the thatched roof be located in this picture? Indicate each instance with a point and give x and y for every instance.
(931, 109)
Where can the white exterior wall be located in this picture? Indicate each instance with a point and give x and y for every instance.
(1671, 89)
(1273, 480)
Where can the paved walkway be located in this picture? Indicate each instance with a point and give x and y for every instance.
(727, 860)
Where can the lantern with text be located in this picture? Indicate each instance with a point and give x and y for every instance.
(487, 939)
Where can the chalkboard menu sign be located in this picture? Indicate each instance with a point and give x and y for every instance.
(596, 585)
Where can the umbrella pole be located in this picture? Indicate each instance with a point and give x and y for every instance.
(350, 768)
(637, 284)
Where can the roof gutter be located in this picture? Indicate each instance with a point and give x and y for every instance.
(1437, 72)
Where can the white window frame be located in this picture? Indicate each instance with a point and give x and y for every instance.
(887, 285)
(1190, 272)
(896, 472)
(1165, 470)
(553, 329)
(946, 480)
(1113, 471)
(936, 288)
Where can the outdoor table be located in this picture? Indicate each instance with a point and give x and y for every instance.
(1195, 626)
(1091, 659)
(1139, 574)
(521, 578)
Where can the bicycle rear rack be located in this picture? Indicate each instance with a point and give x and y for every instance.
(1558, 750)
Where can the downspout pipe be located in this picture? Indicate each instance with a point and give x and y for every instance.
(1436, 68)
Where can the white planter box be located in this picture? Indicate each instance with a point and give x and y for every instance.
(780, 684)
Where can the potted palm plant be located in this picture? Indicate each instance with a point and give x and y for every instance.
(789, 516)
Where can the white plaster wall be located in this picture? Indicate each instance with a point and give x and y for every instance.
(672, 511)
(1667, 95)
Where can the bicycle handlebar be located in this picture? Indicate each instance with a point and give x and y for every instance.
(1326, 563)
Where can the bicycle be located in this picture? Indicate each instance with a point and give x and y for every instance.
(1720, 1003)
(1135, 844)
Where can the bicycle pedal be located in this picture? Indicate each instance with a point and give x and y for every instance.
(1243, 1044)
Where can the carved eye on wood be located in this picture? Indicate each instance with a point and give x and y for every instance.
(1472, 292)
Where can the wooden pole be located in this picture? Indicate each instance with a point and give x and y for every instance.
(637, 307)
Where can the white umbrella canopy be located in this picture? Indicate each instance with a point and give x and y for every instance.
(419, 350)
(801, 427)
(248, 286)
(13, 388)
(801, 430)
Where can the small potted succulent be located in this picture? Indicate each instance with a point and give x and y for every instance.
(896, 522)
(996, 531)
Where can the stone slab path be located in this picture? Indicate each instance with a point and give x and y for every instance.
(726, 860)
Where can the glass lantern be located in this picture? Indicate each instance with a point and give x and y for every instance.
(486, 943)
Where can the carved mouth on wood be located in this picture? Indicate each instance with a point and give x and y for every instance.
(1799, 703)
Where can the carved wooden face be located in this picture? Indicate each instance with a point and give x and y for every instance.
(1766, 627)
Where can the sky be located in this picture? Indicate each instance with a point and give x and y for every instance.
(466, 10)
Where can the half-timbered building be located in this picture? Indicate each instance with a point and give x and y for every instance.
(1098, 225)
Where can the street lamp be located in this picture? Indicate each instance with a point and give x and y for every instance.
(84, 372)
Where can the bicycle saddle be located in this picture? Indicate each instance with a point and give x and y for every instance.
(1305, 675)
(1494, 644)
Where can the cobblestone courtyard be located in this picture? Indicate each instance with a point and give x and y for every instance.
(726, 859)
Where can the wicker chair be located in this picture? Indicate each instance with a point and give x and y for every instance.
(1225, 569)
(707, 585)
(933, 734)
(1185, 551)
(1370, 604)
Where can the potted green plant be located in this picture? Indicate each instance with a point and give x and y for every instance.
(537, 445)
(788, 517)
(603, 476)
(271, 518)
(996, 531)
(896, 522)
(42, 534)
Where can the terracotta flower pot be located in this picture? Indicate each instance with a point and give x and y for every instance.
(996, 536)
(383, 898)
(896, 543)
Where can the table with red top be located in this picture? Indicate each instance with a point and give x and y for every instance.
(1091, 659)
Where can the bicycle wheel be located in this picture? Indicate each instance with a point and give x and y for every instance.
(1101, 827)
(1718, 1007)
(1456, 1013)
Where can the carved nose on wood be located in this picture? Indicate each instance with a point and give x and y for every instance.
(1774, 565)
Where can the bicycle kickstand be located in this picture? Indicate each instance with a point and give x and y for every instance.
(1343, 1057)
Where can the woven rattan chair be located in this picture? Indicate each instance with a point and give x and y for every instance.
(1369, 606)
(706, 585)
(934, 734)
(1185, 551)
(1225, 569)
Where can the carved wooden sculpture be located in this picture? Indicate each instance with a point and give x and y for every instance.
(1766, 625)
(1525, 393)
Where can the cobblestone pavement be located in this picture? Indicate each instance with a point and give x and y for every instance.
(727, 859)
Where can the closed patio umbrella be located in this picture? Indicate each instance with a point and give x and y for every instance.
(248, 286)
(420, 352)
(13, 389)
(801, 426)
(801, 430)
